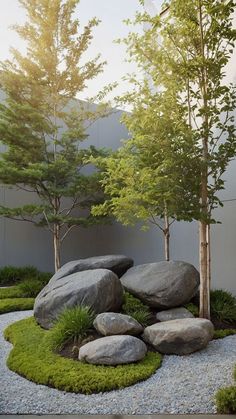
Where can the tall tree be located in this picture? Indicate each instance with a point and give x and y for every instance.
(42, 125)
(185, 50)
(147, 180)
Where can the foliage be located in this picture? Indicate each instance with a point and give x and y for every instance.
(148, 179)
(33, 358)
(222, 333)
(10, 275)
(226, 399)
(193, 309)
(223, 306)
(16, 304)
(136, 309)
(48, 159)
(30, 287)
(73, 324)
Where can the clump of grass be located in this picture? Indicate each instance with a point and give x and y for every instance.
(136, 309)
(30, 287)
(16, 304)
(223, 306)
(11, 275)
(33, 357)
(73, 324)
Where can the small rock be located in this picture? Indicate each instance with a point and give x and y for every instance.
(117, 324)
(113, 350)
(173, 314)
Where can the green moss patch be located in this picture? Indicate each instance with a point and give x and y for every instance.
(16, 304)
(33, 358)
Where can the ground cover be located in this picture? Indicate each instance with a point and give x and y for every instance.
(34, 358)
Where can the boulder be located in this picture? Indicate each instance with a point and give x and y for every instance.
(162, 285)
(113, 350)
(118, 264)
(173, 314)
(117, 324)
(179, 337)
(99, 289)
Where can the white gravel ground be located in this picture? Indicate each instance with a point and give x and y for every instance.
(182, 385)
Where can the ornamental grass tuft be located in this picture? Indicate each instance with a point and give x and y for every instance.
(73, 324)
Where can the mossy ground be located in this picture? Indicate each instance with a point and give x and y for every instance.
(15, 304)
(33, 358)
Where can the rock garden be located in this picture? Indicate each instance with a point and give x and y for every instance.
(102, 324)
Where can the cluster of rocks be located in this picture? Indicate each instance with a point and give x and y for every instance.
(99, 283)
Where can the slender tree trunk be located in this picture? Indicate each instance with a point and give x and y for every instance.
(167, 236)
(203, 227)
(57, 247)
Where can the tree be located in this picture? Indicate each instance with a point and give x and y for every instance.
(42, 125)
(148, 179)
(186, 51)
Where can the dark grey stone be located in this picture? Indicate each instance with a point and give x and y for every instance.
(173, 314)
(162, 285)
(118, 264)
(117, 324)
(99, 289)
(179, 337)
(113, 350)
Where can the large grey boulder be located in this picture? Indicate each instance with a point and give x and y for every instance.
(180, 337)
(162, 285)
(99, 289)
(118, 264)
(113, 350)
(173, 314)
(117, 324)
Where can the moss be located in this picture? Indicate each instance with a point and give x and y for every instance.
(33, 358)
(16, 304)
(222, 333)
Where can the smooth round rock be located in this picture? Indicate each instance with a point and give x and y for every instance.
(99, 289)
(179, 337)
(117, 324)
(118, 264)
(173, 314)
(162, 285)
(113, 350)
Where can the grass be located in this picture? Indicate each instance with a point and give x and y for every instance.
(16, 304)
(11, 275)
(73, 324)
(133, 307)
(32, 357)
(226, 399)
(222, 333)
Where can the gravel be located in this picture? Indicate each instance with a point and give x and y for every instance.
(182, 385)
